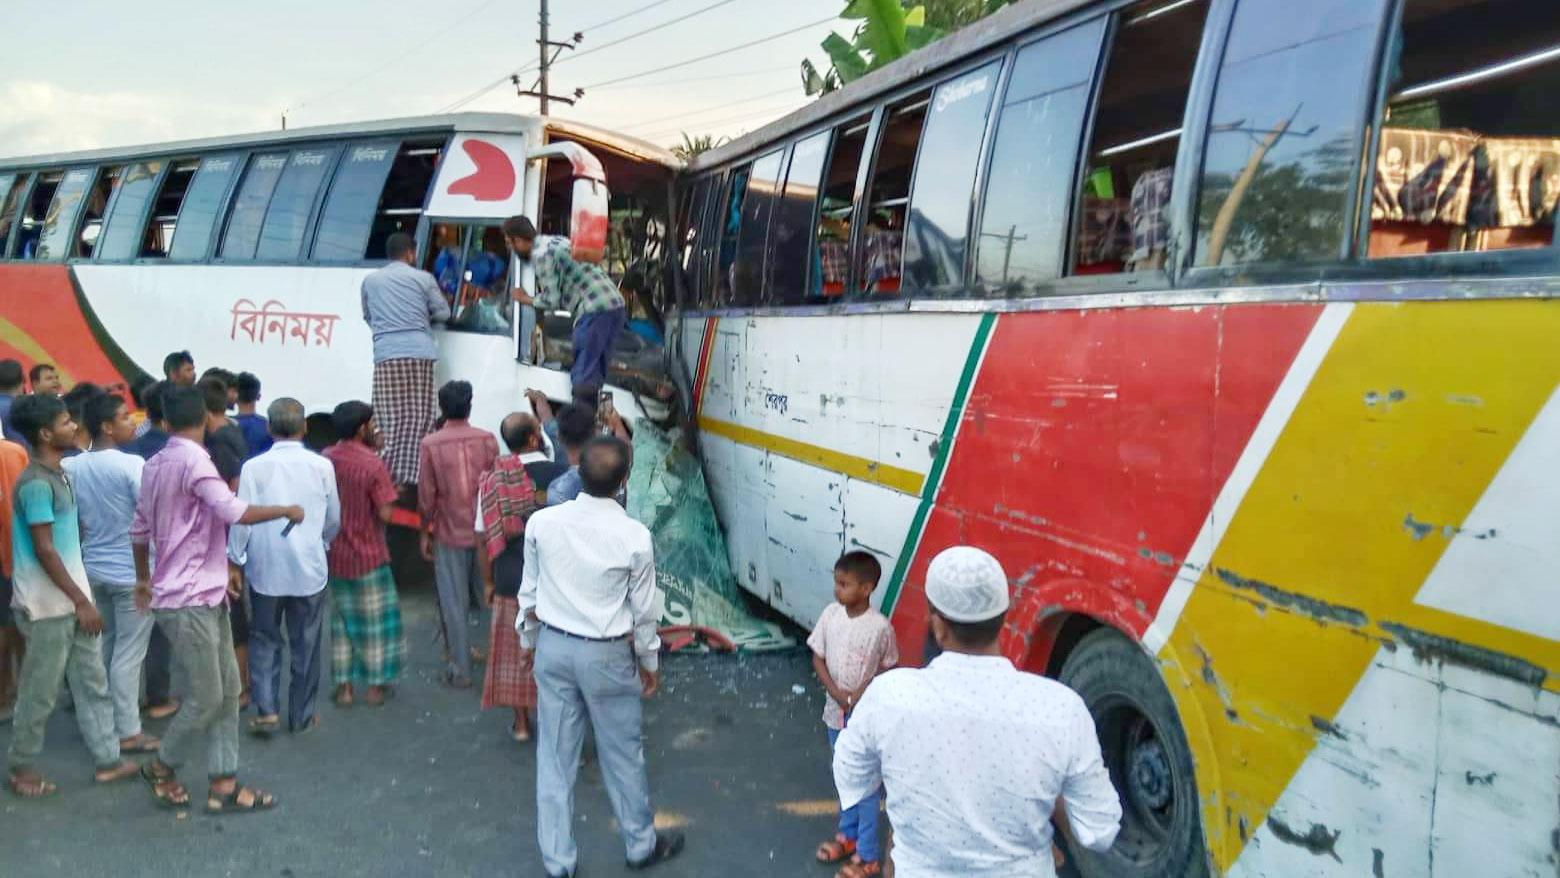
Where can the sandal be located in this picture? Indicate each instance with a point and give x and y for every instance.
(264, 727)
(343, 696)
(218, 804)
(165, 787)
(123, 771)
(35, 787)
(859, 868)
(837, 850)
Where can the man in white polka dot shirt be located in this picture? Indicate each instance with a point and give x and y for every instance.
(976, 756)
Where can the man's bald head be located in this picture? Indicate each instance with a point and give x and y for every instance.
(521, 432)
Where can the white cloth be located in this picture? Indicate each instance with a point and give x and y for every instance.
(590, 571)
(974, 754)
(854, 650)
(294, 565)
(966, 584)
(107, 485)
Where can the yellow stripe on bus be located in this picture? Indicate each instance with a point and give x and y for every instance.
(1320, 565)
(902, 480)
(16, 337)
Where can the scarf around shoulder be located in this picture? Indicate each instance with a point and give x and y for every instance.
(508, 497)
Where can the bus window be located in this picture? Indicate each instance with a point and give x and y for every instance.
(287, 217)
(11, 189)
(92, 213)
(835, 205)
(730, 218)
(165, 210)
(1286, 131)
(445, 255)
(33, 210)
(122, 229)
(1024, 219)
(794, 269)
(202, 206)
(939, 220)
(350, 208)
(482, 301)
(1469, 157)
(883, 241)
(707, 245)
(54, 242)
(254, 193)
(696, 203)
(1122, 223)
(762, 186)
(405, 193)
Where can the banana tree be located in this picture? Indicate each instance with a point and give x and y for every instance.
(888, 31)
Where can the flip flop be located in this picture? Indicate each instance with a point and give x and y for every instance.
(264, 728)
(220, 805)
(38, 789)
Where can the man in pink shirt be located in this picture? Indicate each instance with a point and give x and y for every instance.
(452, 462)
(183, 515)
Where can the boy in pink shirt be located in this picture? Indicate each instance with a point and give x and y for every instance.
(183, 514)
(852, 643)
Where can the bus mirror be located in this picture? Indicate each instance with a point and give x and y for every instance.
(588, 218)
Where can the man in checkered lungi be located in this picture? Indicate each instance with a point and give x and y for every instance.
(401, 303)
(366, 641)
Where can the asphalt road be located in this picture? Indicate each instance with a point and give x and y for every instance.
(431, 785)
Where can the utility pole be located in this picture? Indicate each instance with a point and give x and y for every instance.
(546, 62)
(549, 52)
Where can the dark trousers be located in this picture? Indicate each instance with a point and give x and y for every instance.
(159, 668)
(303, 618)
(594, 335)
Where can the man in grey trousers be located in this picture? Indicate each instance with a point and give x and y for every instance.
(587, 623)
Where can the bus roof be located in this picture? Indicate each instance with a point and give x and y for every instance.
(989, 31)
(489, 122)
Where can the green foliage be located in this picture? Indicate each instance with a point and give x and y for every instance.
(692, 146)
(888, 31)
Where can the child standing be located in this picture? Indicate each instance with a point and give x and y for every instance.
(851, 644)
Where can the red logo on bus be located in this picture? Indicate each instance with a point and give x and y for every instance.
(494, 178)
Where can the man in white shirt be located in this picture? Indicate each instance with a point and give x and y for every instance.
(977, 756)
(107, 481)
(587, 609)
(286, 568)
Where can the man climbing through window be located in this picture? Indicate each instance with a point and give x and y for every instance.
(582, 288)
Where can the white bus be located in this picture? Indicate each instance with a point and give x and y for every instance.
(249, 251)
(1230, 328)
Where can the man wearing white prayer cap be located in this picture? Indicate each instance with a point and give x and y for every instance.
(976, 756)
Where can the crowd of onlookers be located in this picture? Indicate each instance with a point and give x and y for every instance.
(182, 528)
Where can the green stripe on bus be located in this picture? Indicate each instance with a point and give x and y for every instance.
(944, 448)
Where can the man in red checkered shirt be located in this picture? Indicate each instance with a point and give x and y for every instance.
(366, 639)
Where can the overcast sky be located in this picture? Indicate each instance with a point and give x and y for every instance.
(78, 74)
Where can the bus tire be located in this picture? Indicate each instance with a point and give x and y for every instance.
(1150, 764)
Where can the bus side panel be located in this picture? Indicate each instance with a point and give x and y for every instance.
(43, 320)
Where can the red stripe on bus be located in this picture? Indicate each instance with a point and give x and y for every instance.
(1092, 447)
(706, 349)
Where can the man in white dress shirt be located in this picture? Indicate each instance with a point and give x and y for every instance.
(587, 609)
(286, 568)
(977, 757)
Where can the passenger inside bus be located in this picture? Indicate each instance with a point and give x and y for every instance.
(1469, 155)
(883, 239)
(482, 297)
(92, 215)
(165, 211)
(834, 211)
(1122, 223)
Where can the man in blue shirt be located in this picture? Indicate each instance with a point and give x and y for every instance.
(400, 304)
(10, 388)
(257, 432)
(107, 480)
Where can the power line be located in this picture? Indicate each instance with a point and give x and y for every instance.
(395, 59)
(767, 111)
(700, 112)
(747, 45)
(789, 68)
(629, 14)
(607, 45)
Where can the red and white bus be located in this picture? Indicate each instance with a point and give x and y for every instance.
(1229, 327)
(249, 251)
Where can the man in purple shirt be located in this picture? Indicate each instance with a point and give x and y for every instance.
(184, 512)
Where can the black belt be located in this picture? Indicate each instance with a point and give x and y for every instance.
(556, 630)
